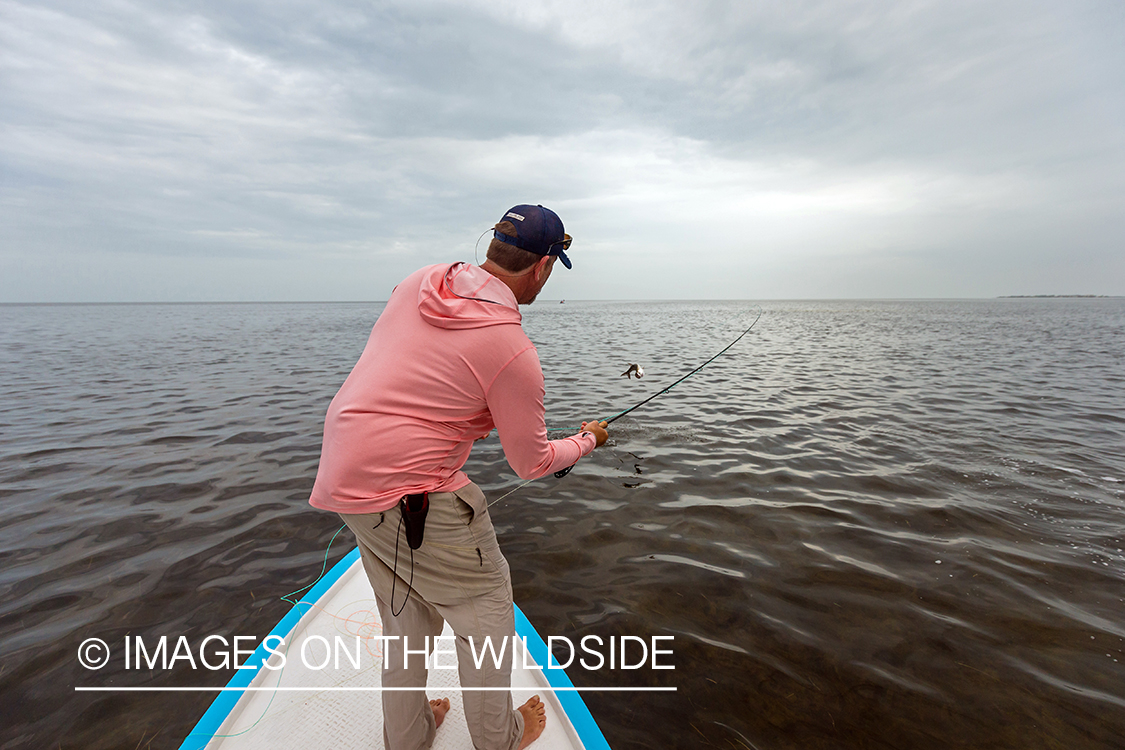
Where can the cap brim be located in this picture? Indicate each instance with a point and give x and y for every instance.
(565, 260)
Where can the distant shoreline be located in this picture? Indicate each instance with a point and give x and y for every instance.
(1055, 296)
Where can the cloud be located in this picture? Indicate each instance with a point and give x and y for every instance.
(345, 143)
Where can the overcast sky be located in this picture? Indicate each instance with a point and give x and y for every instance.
(322, 150)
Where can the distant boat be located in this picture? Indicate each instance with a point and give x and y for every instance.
(562, 301)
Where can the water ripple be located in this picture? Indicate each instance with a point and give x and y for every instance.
(870, 524)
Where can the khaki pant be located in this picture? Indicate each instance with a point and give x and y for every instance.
(461, 577)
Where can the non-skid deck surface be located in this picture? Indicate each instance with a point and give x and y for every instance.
(337, 720)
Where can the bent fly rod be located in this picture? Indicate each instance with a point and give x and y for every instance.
(563, 472)
(614, 418)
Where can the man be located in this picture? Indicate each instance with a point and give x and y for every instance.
(447, 361)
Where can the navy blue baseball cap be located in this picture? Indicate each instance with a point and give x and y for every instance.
(538, 230)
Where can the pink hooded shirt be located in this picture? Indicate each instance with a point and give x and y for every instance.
(447, 361)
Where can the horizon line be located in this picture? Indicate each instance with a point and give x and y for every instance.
(561, 300)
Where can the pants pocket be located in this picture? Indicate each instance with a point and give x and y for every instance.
(473, 498)
(465, 512)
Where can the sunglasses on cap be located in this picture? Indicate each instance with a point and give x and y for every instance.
(563, 245)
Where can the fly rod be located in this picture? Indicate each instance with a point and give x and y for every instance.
(563, 472)
(614, 418)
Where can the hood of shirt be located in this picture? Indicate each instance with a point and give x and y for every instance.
(465, 296)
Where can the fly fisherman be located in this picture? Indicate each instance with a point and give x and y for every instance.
(446, 362)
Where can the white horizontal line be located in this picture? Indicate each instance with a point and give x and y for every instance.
(81, 689)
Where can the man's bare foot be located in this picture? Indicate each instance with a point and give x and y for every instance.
(534, 719)
(441, 708)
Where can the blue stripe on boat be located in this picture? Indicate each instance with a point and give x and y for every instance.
(588, 730)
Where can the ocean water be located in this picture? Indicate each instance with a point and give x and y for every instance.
(870, 524)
